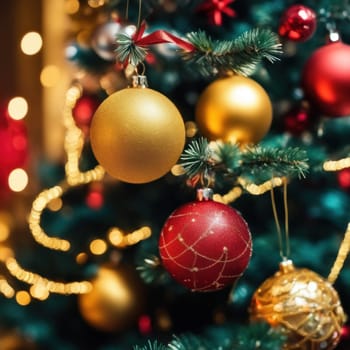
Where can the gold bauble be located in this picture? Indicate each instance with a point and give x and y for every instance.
(137, 134)
(234, 109)
(304, 304)
(115, 301)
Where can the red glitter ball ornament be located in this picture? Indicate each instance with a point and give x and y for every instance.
(298, 23)
(326, 79)
(205, 245)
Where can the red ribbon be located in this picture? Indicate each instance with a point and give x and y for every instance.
(159, 37)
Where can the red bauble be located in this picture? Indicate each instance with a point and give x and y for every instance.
(343, 177)
(298, 23)
(13, 147)
(298, 120)
(326, 79)
(84, 110)
(205, 245)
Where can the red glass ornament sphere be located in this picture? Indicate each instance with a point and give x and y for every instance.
(84, 110)
(298, 23)
(14, 151)
(326, 79)
(297, 120)
(343, 177)
(205, 245)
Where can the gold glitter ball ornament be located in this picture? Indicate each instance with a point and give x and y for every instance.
(304, 304)
(234, 109)
(137, 134)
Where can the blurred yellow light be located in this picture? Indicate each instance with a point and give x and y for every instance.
(115, 236)
(98, 247)
(49, 76)
(71, 6)
(39, 291)
(17, 108)
(4, 231)
(31, 43)
(18, 180)
(5, 253)
(55, 204)
(81, 258)
(23, 298)
(96, 3)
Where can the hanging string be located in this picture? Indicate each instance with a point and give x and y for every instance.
(278, 227)
(286, 217)
(283, 253)
(139, 14)
(127, 10)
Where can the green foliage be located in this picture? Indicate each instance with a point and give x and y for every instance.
(256, 336)
(151, 346)
(197, 157)
(152, 271)
(257, 164)
(127, 51)
(241, 55)
(262, 163)
(214, 56)
(190, 342)
(259, 336)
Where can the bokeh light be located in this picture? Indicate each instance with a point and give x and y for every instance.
(17, 108)
(98, 247)
(18, 180)
(23, 298)
(31, 43)
(50, 76)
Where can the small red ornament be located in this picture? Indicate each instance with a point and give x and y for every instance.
(297, 120)
(13, 147)
(343, 177)
(326, 79)
(84, 110)
(298, 23)
(215, 9)
(205, 245)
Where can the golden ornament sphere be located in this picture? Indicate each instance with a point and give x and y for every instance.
(234, 109)
(304, 304)
(115, 301)
(137, 134)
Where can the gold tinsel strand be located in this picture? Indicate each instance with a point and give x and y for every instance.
(335, 165)
(342, 255)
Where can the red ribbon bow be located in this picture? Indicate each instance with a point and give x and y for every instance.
(159, 37)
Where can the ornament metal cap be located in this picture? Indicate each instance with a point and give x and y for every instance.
(139, 81)
(204, 194)
(286, 266)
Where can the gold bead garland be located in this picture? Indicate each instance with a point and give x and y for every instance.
(335, 165)
(342, 255)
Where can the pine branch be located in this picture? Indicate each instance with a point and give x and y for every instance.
(196, 158)
(259, 336)
(260, 164)
(257, 164)
(152, 271)
(240, 55)
(191, 342)
(151, 346)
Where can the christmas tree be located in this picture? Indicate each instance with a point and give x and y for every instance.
(181, 180)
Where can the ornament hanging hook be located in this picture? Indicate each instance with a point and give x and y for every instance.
(283, 253)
